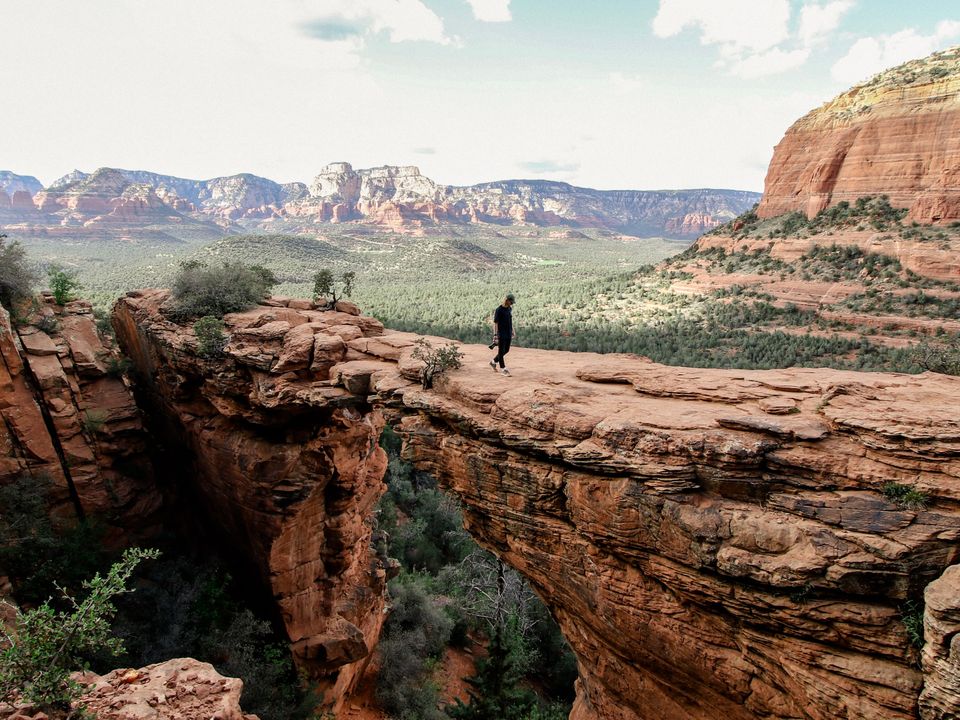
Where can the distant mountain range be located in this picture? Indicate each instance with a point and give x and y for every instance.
(113, 202)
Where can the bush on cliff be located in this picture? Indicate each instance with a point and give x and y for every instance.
(325, 286)
(210, 337)
(201, 290)
(63, 283)
(47, 644)
(16, 278)
(435, 360)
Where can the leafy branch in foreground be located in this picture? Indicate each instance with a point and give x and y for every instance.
(46, 645)
(436, 360)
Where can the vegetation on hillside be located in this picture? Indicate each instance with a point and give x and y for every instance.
(16, 276)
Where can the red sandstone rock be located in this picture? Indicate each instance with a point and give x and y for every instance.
(179, 689)
(288, 467)
(87, 436)
(940, 699)
(714, 543)
(891, 136)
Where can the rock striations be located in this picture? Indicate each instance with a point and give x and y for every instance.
(897, 134)
(285, 474)
(69, 418)
(714, 543)
(394, 198)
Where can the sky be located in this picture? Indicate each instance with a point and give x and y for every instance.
(612, 94)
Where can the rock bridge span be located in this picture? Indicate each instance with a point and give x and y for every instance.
(713, 543)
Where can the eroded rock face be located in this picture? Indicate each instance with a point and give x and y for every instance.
(897, 134)
(178, 689)
(284, 471)
(714, 543)
(141, 203)
(940, 699)
(69, 417)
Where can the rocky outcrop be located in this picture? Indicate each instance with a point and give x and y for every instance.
(178, 689)
(713, 543)
(68, 416)
(897, 134)
(11, 183)
(285, 474)
(394, 198)
(940, 699)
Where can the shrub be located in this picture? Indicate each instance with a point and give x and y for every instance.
(941, 358)
(325, 285)
(16, 278)
(415, 634)
(118, 366)
(912, 615)
(199, 290)
(104, 326)
(906, 496)
(47, 644)
(93, 421)
(49, 324)
(210, 337)
(436, 361)
(63, 283)
(495, 691)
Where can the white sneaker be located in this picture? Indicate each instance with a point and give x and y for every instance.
(493, 364)
(505, 371)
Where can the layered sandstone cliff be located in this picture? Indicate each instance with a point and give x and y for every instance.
(714, 543)
(897, 134)
(396, 198)
(69, 418)
(285, 475)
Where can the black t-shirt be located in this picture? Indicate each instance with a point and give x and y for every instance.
(503, 317)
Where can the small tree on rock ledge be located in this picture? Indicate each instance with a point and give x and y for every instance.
(325, 285)
(436, 360)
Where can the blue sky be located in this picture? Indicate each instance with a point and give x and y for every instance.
(613, 94)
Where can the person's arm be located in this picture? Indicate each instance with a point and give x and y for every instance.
(496, 325)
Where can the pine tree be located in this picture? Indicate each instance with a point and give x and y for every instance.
(495, 692)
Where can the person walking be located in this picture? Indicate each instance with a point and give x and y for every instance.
(503, 332)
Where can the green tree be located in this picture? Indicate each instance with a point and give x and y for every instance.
(325, 285)
(47, 644)
(16, 278)
(63, 283)
(210, 337)
(435, 360)
(495, 691)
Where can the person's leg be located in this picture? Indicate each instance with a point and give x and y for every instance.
(504, 349)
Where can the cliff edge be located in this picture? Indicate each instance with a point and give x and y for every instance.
(713, 543)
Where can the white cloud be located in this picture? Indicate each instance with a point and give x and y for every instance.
(870, 55)
(771, 62)
(626, 84)
(735, 25)
(400, 20)
(818, 21)
(491, 10)
(754, 39)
